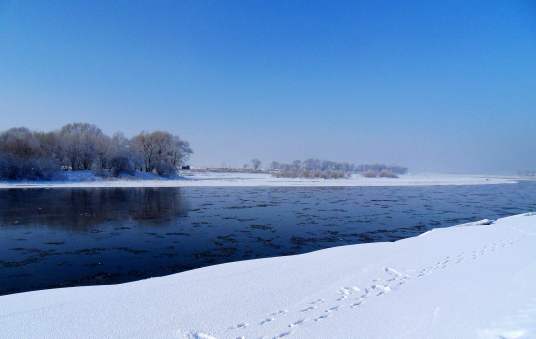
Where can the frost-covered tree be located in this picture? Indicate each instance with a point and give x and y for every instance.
(160, 152)
(20, 142)
(117, 157)
(81, 145)
(256, 164)
(23, 157)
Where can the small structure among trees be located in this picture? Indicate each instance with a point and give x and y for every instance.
(26, 154)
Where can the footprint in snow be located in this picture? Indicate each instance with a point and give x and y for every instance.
(284, 334)
(296, 323)
(393, 272)
(317, 301)
(199, 335)
(267, 320)
(383, 288)
(307, 309)
(238, 326)
(401, 282)
(332, 309)
(357, 304)
(322, 317)
(349, 290)
(280, 312)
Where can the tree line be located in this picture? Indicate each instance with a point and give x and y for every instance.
(33, 155)
(315, 168)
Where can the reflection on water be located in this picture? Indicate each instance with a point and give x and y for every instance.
(79, 209)
(66, 237)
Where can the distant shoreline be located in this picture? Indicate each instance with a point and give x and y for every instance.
(236, 179)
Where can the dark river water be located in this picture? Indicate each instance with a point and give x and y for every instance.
(70, 237)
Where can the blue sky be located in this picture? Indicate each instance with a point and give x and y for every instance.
(431, 85)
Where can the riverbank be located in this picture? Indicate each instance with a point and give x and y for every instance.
(217, 179)
(471, 281)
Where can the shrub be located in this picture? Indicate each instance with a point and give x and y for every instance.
(387, 174)
(17, 168)
(369, 174)
(121, 165)
(379, 174)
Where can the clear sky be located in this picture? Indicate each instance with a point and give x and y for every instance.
(433, 85)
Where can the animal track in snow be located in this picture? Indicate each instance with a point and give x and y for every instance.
(199, 335)
(296, 323)
(317, 301)
(267, 320)
(357, 304)
(280, 312)
(345, 291)
(332, 309)
(239, 326)
(392, 271)
(382, 289)
(322, 317)
(307, 309)
(401, 282)
(284, 334)
(352, 297)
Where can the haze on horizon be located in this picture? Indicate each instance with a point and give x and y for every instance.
(432, 86)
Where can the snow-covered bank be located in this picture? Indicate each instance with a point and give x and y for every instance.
(472, 281)
(210, 179)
